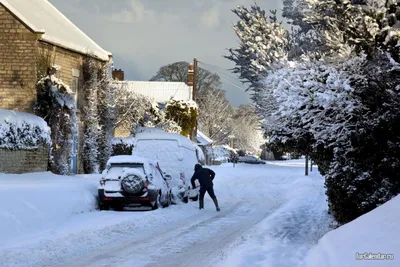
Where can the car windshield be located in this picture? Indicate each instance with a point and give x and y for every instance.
(116, 169)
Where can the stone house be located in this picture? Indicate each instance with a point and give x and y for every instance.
(30, 30)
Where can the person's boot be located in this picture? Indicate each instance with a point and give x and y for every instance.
(201, 204)
(216, 204)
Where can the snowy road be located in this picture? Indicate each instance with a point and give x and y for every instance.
(271, 216)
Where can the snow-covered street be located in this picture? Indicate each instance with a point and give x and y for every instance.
(271, 216)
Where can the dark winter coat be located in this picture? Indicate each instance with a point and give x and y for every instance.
(205, 177)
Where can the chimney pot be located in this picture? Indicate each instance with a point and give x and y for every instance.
(190, 75)
(118, 74)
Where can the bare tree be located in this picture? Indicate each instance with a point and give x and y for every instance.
(178, 72)
(215, 115)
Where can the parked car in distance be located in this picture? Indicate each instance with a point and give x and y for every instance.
(175, 153)
(131, 182)
(251, 160)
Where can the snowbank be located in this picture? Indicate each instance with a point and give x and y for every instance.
(34, 202)
(375, 232)
(21, 130)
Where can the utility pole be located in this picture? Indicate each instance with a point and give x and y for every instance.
(193, 133)
(194, 78)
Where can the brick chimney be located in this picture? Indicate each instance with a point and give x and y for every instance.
(190, 75)
(118, 75)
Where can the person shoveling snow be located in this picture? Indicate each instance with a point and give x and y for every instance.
(205, 177)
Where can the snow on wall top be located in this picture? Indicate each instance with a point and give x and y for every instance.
(159, 91)
(42, 17)
(203, 139)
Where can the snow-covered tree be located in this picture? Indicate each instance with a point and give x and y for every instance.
(263, 44)
(107, 116)
(56, 105)
(184, 113)
(91, 116)
(338, 102)
(178, 72)
(247, 133)
(130, 107)
(215, 116)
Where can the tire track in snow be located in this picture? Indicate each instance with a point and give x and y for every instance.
(195, 244)
(140, 245)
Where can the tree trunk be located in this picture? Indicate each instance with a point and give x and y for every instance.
(306, 165)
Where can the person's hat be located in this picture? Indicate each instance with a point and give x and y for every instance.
(197, 167)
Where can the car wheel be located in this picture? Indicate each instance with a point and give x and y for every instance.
(167, 200)
(185, 199)
(195, 198)
(174, 200)
(104, 206)
(157, 203)
(119, 207)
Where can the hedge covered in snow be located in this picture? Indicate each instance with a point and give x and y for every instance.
(122, 145)
(21, 130)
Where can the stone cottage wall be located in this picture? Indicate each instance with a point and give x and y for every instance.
(17, 64)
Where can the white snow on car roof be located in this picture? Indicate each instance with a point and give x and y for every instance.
(42, 17)
(160, 135)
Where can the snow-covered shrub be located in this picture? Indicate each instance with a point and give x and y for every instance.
(184, 113)
(56, 105)
(20, 130)
(365, 169)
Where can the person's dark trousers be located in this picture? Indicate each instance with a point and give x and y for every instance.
(210, 191)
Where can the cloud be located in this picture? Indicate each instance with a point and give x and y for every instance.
(144, 35)
(211, 18)
(136, 13)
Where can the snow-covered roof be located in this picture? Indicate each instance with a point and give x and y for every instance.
(203, 139)
(161, 135)
(40, 16)
(159, 91)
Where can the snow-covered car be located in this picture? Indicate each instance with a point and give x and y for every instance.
(251, 160)
(130, 181)
(176, 155)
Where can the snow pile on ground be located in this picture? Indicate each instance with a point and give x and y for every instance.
(21, 130)
(34, 202)
(374, 233)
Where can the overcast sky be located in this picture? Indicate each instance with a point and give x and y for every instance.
(144, 35)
